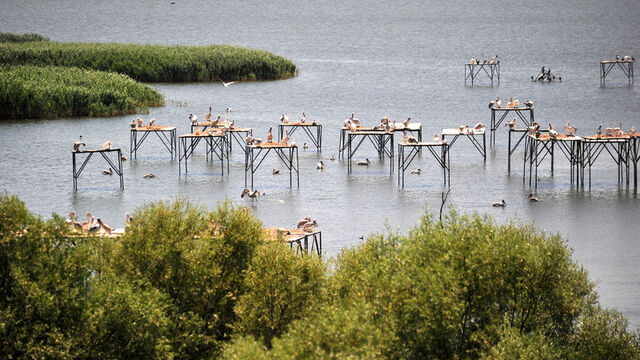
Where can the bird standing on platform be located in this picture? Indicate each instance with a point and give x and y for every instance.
(552, 131)
(599, 131)
(284, 119)
(478, 126)
(493, 59)
(270, 135)
(436, 138)
(617, 57)
(77, 145)
(107, 145)
(500, 204)
(303, 119)
(104, 227)
(152, 122)
(570, 129)
(140, 122)
(286, 137)
(528, 103)
(209, 115)
(309, 226)
(354, 121)
(516, 103)
(303, 222)
(364, 162)
(473, 61)
(320, 165)
(193, 118)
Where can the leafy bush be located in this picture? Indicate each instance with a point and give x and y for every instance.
(6, 37)
(280, 286)
(154, 63)
(46, 91)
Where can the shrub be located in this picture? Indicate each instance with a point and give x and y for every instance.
(45, 91)
(19, 38)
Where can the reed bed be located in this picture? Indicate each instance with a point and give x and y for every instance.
(154, 63)
(50, 92)
(6, 37)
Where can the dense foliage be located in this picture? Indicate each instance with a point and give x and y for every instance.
(154, 63)
(48, 92)
(187, 283)
(6, 37)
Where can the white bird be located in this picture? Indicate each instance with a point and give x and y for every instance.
(284, 118)
(108, 171)
(275, 171)
(270, 135)
(209, 115)
(500, 204)
(193, 118)
(416, 171)
(320, 165)
(499, 102)
(353, 120)
(226, 84)
(364, 162)
(128, 220)
(140, 122)
(493, 103)
(148, 176)
(77, 145)
(473, 61)
(533, 198)
(552, 131)
(332, 157)
(493, 59)
(152, 122)
(303, 119)
(123, 157)
(286, 137)
(627, 58)
(406, 122)
(253, 195)
(436, 138)
(108, 145)
(570, 129)
(309, 226)
(516, 103)
(528, 103)
(104, 227)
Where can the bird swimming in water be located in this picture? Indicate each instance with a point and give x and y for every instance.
(533, 198)
(148, 176)
(320, 165)
(500, 204)
(364, 162)
(123, 157)
(416, 171)
(275, 171)
(332, 157)
(108, 171)
(305, 146)
(253, 195)
(228, 110)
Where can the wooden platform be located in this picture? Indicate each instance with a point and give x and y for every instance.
(104, 153)
(296, 237)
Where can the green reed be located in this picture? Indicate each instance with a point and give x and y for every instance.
(49, 92)
(6, 37)
(154, 63)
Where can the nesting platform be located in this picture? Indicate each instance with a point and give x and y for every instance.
(166, 134)
(256, 153)
(469, 133)
(312, 129)
(471, 71)
(381, 140)
(626, 66)
(217, 145)
(441, 156)
(104, 153)
(234, 133)
(523, 113)
(414, 128)
(298, 238)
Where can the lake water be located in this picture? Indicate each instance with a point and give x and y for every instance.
(374, 58)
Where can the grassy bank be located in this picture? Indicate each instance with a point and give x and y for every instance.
(49, 92)
(20, 38)
(154, 63)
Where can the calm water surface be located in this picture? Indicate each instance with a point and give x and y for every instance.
(373, 58)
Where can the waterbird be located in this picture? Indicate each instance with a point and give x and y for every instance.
(193, 118)
(409, 138)
(152, 122)
(332, 157)
(77, 145)
(284, 118)
(133, 123)
(416, 171)
(632, 130)
(305, 146)
(599, 131)
(270, 135)
(302, 222)
(108, 171)
(87, 224)
(436, 138)
(286, 137)
(303, 119)
(617, 57)
(406, 122)
(108, 145)
(252, 195)
(353, 120)
(140, 122)
(510, 103)
(364, 162)
(511, 123)
(275, 171)
(128, 220)
(148, 176)
(209, 115)
(500, 204)
(533, 198)
(226, 84)
(516, 103)
(493, 59)
(528, 103)
(104, 227)
(216, 122)
(499, 102)
(570, 129)
(228, 110)
(473, 61)
(123, 157)
(309, 226)
(552, 131)
(320, 165)
(478, 126)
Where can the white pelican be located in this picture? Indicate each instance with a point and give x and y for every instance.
(354, 121)
(77, 145)
(209, 115)
(108, 145)
(532, 197)
(140, 122)
(270, 135)
(516, 103)
(570, 129)
(216, 122)
(193, 118)
(284, 118)
(493, 103)
(252, 195)
(499, 102)
(123, 157)
(275, 171)
(500, 204)
(148, 176)
(364, 162)
(320, 165)
(226, 84)
(416, 171)
(128, 220)
(286, 137)
(133, 123)
(599, 131)
(632, 130)
(552, 131)
(332, 157)
(528, 103)
(104, 227)
(108, 171)
(510, 103)
(309, 226)
(303, 222)
(87, 224)
(473, 61)
(152, 122)
(493, 59)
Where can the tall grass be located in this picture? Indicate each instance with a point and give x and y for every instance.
(154, 63)
(20, 38)
(48, 92)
